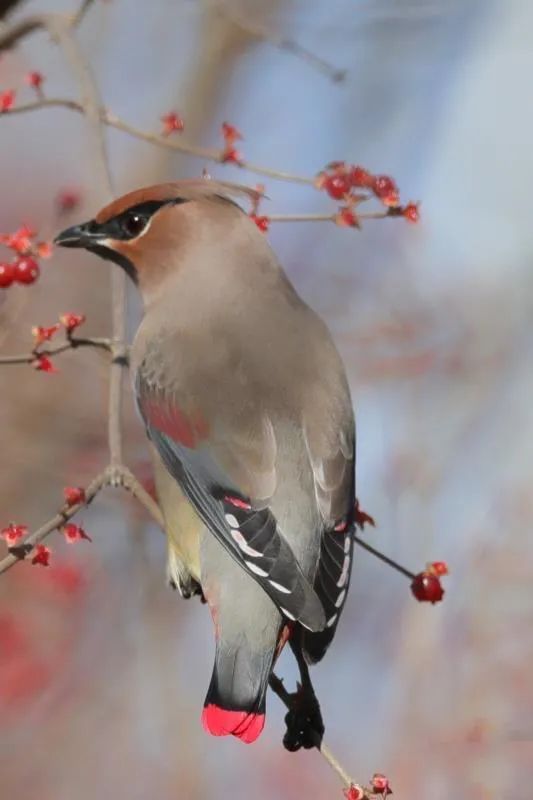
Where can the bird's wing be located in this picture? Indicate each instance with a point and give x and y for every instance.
(331, 447)
(224, 462)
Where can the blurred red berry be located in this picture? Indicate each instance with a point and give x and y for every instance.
(427, 588)
(337, 185)
(44, 249)
(35, 80)
(43, 364)
(355, 792)
(380, 784)
(68, 199)
(411, 212)
(7, 100)
(42, 555)
(74, 533)
(74, 495)
(231, 156)
(172, 123)
(230, 133)
(20, 240)
(263, 223)
(13, 533)
(7, 274)
(71, 321)
(26, 270)
(41, 334)
(386, 190)
(360, 178)
(347, 218)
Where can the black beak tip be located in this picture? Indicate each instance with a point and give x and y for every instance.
(70, 237)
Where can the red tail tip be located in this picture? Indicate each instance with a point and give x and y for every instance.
(222, 722)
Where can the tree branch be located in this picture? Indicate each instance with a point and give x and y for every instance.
(71, 344)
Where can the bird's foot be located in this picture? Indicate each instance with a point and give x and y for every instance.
(305, 727)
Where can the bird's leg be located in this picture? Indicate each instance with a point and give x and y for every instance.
(305, 727)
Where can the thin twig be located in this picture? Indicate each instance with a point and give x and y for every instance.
(170, 143)
(53, 524)
(283, 43)
(384, 558)
(71, 344)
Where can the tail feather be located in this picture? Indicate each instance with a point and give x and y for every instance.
(236, 698)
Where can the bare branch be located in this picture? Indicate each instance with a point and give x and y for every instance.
(283, 43)
(71, 344)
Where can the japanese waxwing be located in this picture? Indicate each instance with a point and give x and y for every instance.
(247, 407)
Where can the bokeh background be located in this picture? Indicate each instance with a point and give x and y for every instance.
(102, 668)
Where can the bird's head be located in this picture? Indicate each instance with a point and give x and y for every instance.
(149, 232)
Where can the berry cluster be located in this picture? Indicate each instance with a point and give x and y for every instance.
(7, 98)
(24, 268)
(353, 185)
(40, 359)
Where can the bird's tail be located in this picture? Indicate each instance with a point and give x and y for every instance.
(235, 701)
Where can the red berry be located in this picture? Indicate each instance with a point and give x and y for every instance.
(427, 588)
(7, 99)
(262, 223)
(35, 79)
(74, 495)
(360, 178)
(68, 199)
(386, 189)
(231, 156)
(7, 274)
(41, 334)
(337, 185)
(26, 270)
(380, 784)
(411, 212)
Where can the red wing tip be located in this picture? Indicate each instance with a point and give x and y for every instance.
(222, 722)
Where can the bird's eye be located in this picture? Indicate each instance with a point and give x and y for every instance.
(133, 224)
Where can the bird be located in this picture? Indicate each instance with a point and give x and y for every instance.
(249, 416)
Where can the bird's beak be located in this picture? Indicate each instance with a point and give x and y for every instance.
(84, 235)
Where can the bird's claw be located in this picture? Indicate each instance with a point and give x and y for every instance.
(305, 727)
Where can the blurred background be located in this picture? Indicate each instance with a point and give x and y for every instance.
(103, 670)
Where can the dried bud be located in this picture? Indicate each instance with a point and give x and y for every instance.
(411, 213)
(41, 334)
(74, 533)
(347, 218)
(230, 133)
(263, 223)
(231, 156)
(360, 178)
(71, 321)
(438, 568)
(13, 533)
(42, 555)
(44, 250)
(35, 80)
(386, 190)
(361, 518)
(43, 364)
(355, 792)
(172, 123)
